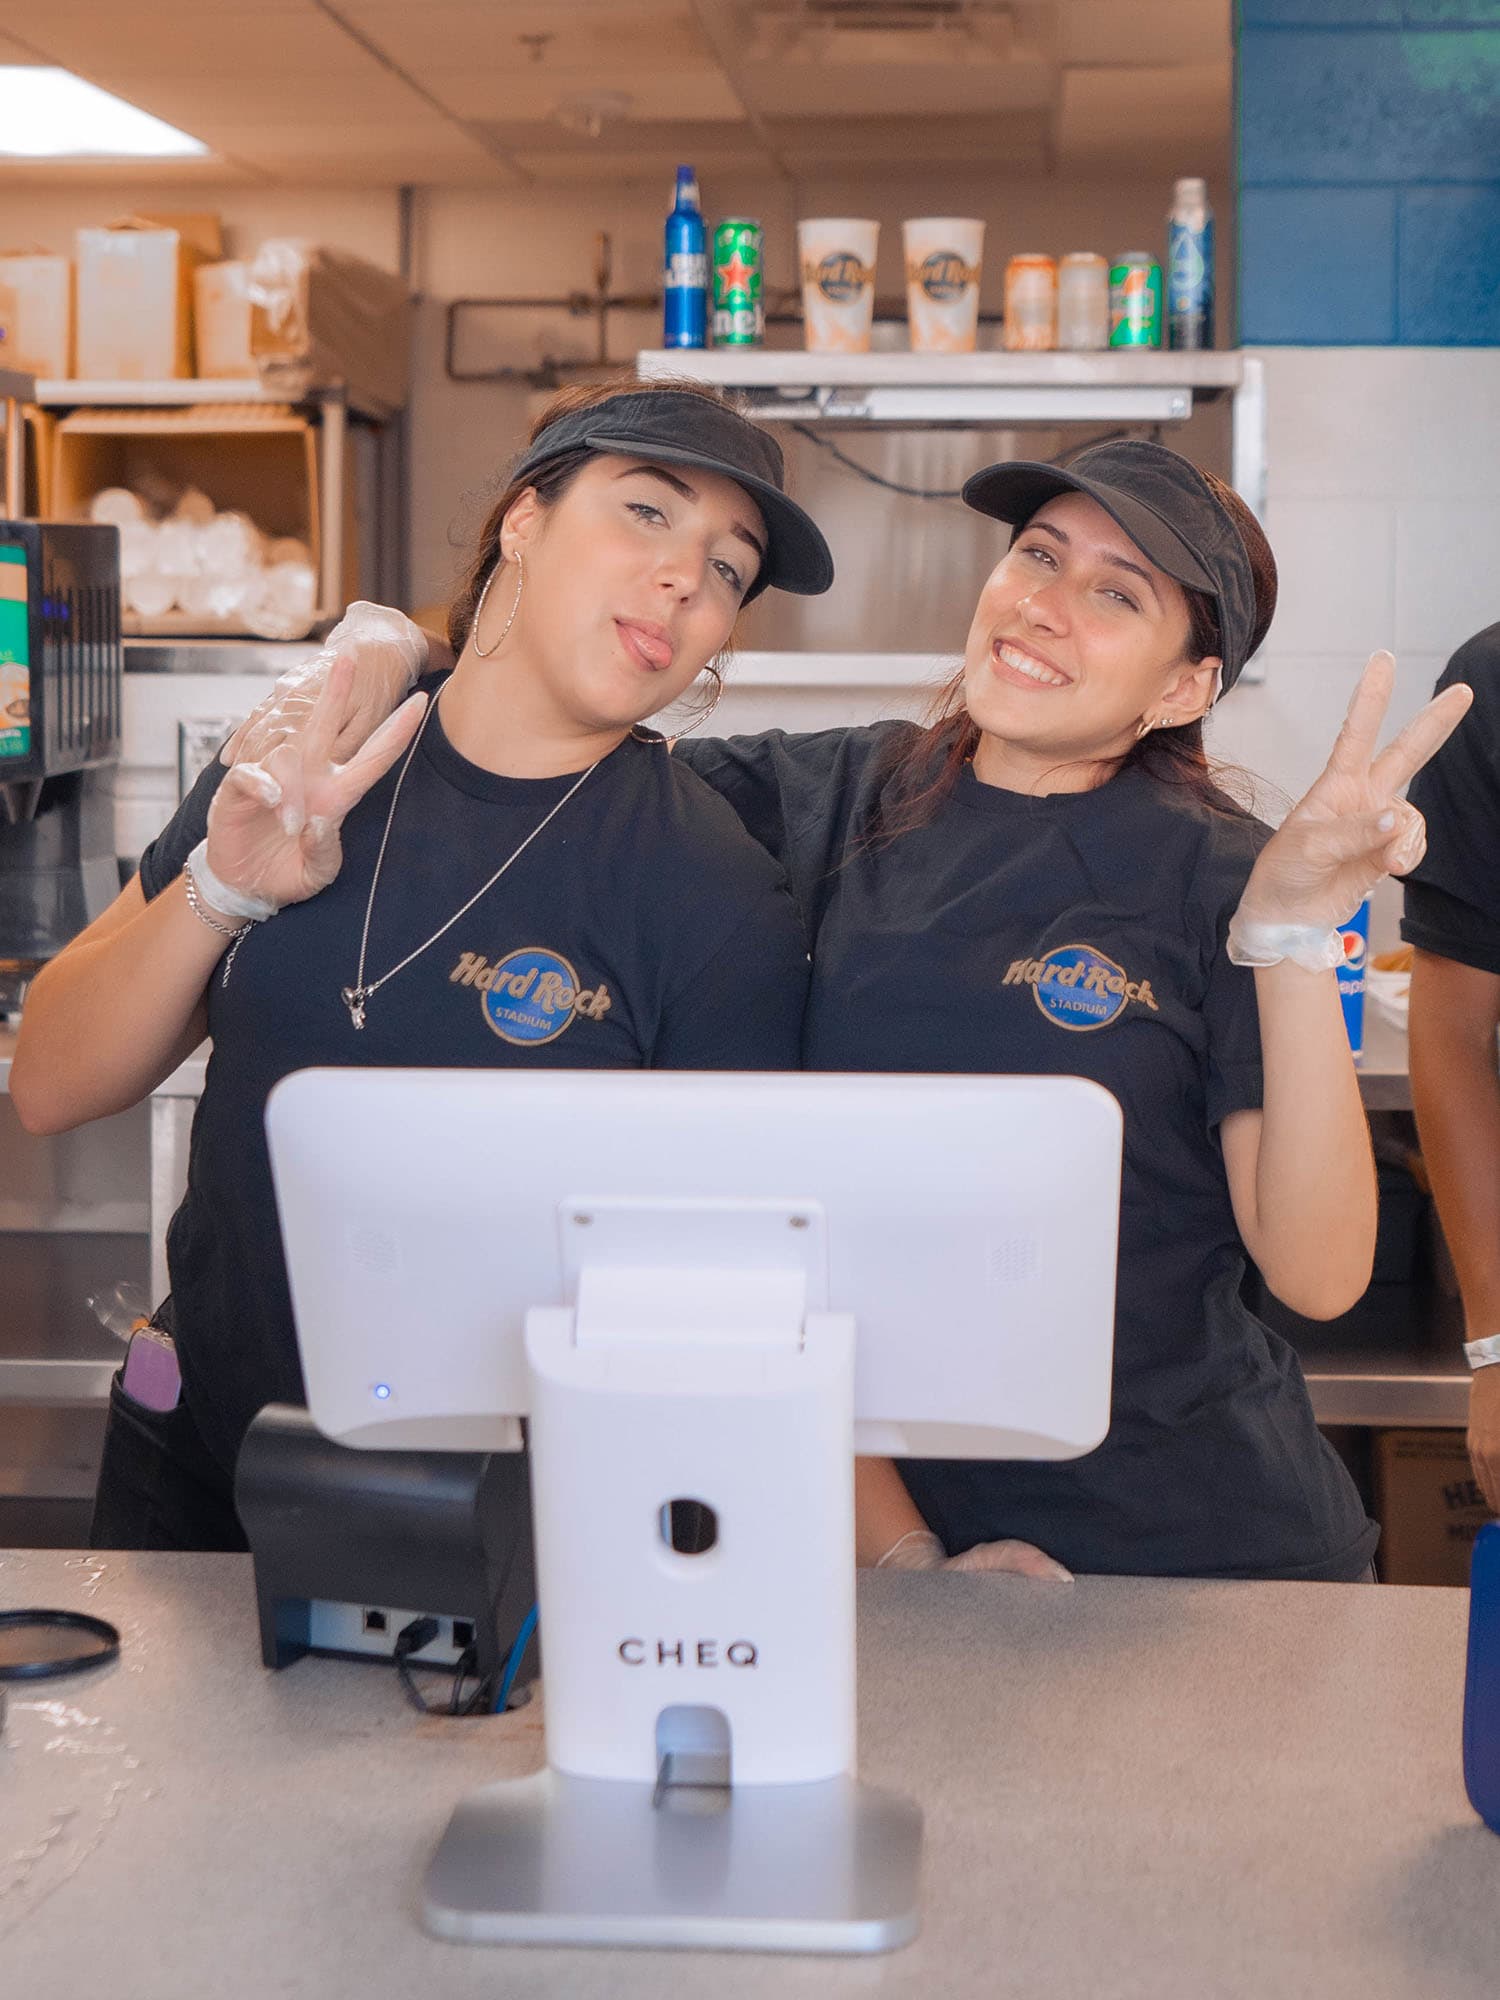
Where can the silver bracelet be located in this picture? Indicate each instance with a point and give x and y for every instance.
(204, 915)
(1483, 1353)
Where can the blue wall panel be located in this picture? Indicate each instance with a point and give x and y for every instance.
(1448, 265)
(1369, 108)
(1320, 13)
(1369, 171)
(1317, 266)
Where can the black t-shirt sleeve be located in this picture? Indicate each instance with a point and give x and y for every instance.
(742, 1009)
(766, 778)
(1453, 895)
(796, 795)
(162, 861)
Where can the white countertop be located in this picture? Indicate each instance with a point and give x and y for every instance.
(1133, 1791)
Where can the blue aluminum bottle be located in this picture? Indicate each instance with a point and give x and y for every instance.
(685, 269)
(1190, 267)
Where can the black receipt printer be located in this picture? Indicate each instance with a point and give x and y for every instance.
(350, 1546)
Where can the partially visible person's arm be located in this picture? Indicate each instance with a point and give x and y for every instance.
(1301, 1174)
(118, 1009)
(1455, 1087)
(884, 1513)
(115, 1012)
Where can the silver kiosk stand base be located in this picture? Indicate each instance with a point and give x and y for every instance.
(829, 1867)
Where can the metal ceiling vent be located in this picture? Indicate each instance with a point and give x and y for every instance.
(889, 30)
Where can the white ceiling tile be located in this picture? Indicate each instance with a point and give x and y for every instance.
(124, 42)
(198, 104)
(878, 90)
(1161, 32)
(519, 95)
(540, 37)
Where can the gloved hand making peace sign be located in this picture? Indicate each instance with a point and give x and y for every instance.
(273, 827)
(1349, 830)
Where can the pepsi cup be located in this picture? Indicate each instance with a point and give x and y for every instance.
(1356, 941)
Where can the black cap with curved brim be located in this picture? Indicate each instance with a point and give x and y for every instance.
(678, 429)
(1163, 503)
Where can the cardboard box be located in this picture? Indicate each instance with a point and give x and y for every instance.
(1429, 1504)
(221, 322)
(36, 311)
(321, 318)
(135, 296)
(254, 458)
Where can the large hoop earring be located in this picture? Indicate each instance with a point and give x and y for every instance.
(484, 652)
(699, 720)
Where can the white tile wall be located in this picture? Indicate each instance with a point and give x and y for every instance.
(1383, 507)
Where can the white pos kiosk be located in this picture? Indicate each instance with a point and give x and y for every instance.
(708, 1288)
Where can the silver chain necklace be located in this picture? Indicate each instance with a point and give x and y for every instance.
(355, 996)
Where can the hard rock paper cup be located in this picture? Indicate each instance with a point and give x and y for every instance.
(943, 258)
(837, 256)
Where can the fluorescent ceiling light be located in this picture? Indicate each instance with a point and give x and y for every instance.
(50, 114)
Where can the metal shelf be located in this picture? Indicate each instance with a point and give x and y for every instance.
(1382, 1389)
(53, 393)
(930, 390)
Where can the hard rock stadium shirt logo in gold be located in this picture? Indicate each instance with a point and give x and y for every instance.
(1078, 988)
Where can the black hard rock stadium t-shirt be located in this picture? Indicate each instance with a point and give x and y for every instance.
(641, 929)
(1453, 894)
(1078, 934)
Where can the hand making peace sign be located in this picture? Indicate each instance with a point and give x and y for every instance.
(1351, 828)
(273, 827)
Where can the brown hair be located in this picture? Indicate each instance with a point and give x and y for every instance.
(926, 769)
(550, 483)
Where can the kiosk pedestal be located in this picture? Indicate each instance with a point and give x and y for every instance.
(700, 1691)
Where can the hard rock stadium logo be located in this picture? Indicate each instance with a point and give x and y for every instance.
(1079, 989)
(944, 276)
(532, 995)
(839, 276)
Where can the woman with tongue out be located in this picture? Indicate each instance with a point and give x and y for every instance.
(1047, 877)
(511, 871)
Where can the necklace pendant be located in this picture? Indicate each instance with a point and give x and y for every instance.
(354, 1000)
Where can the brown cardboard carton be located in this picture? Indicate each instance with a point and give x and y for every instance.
(321, 318)
(1429, 1504)
(221, 322)
(135, 297)
(36, 311)
(255, 458)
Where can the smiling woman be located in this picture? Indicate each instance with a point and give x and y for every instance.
(510, 871)
(1046, 879)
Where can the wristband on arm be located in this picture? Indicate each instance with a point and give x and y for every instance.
(1311, 946)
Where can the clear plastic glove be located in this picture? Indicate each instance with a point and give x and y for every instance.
(1484, 1433)
(921, 1549)
(1349, 831)
(389, 654)
(273, 827)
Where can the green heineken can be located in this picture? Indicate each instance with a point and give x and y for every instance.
(739, 313)
(1135, 300)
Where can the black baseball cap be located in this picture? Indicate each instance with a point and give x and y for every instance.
(1165, 505)
(681, 429)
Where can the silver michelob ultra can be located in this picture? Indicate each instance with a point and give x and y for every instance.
(1083, 301)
